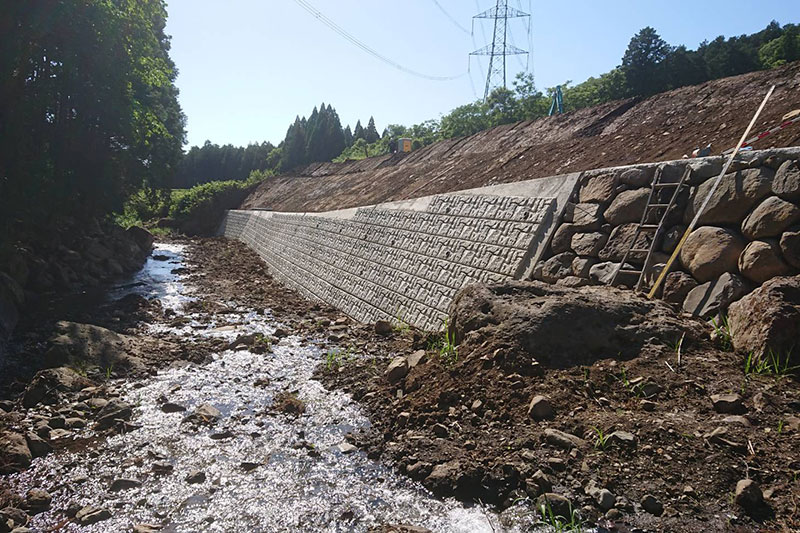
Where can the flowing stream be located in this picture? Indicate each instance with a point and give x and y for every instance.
(264, 470)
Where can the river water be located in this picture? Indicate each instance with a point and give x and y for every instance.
(264, 470)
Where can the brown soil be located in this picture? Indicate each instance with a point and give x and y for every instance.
(664, 127)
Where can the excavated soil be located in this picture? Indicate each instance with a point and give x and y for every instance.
(664, 127)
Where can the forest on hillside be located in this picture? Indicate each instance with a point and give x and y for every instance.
(648, 66)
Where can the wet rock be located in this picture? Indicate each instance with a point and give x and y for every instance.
(768, 319)
(162, 468)
(37, 501)
(770, 218)
(622, 439)
(170, 407)
(652, 505)
(628, 206)
(599, 189)
(87, 344)
(790, 246)
(728, 403)
(710, 252)
(443, 477)
(762, 260)
(14, 451)
(37, 445)
(46, 384)
(289, 404)
(124, 484)
(787, 181)
(399, 528)
(397, 369)
(736, 195)
(75, 423)
(92, 515)
(540, 408)
(715, 296)
(248, 466)
(12, 517)
(114, 411)
(677, 286)
(195, 476)
(346, 447)
(561, 439)
(146, 528)
(555, 503)
(383, 327)
(588, 244)
(748, 495)
(143, 238)
(204, 414)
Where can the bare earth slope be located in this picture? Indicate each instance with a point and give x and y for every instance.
(660, 128)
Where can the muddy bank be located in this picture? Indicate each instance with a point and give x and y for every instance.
(614, 403)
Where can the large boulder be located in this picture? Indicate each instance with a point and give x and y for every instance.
(47, 384)
(143, 238)
(677, 286)
(768, 319)
(599, 189)
(628, 206)
(562, 238)
(770, 218)
(14, 453)
(92, 345)
(714, 297)
(620, 241)
(761, 260)
(787, 181)
(556, 268)
(734, 198)
(559, 326)
(589, 244)
(710, 251)
(586, 216)
(790, 246)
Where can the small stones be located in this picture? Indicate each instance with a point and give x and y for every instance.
(541, 409)
(648, 405)
(397, 369)
(248, 466)
(170, 407)
(37, 445)
(748, 495)
(346, 447)
(195, 476)
(652, 505)
(558, 504)
(622, 439)
(605, 499)
(563, 440)
(728, 404)
(162, 468)
(125, 484)
(204, 414)
(440, 430)
(146, 528)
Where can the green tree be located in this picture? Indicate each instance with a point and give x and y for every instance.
(642, 62)
(293, 153)
(358, 132)
(371, 133)
(465, 120)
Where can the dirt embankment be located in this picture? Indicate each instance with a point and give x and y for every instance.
(663, 127)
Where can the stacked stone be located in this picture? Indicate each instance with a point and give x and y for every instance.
(749, 232)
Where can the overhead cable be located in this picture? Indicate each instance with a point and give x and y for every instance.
(453, 20)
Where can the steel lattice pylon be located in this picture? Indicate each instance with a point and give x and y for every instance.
(499, 49)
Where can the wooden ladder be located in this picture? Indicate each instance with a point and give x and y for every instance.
(654, 204)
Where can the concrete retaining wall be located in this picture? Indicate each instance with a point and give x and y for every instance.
(404, 261)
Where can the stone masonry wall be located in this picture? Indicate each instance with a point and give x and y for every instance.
(404, 261)
(748, 234)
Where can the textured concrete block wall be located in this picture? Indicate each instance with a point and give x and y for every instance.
(404, 261)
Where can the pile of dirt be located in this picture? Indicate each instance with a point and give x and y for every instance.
(616, 403)
(664, 127)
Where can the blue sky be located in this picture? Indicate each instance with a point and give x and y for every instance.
(248, 67)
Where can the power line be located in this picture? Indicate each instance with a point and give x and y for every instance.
(453, 20)
(342, 32)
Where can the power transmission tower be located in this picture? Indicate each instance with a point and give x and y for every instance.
(499, 49)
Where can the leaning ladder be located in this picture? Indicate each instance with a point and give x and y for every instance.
(654, 204)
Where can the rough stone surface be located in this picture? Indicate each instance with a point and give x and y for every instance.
(587, 216)
(628, 206)
(46, 384)
(603, 273)
(748, 495)
(770, 218)
(588, 244)
(540, 408)
(557, 267)
(762, 260)
(677, 286)
(736, 195)
(14, 451)
(562, 327)
(562, 239)
(768, 319)
(620, 241)
(790, 246)
(559, 505)
(715, 296)
(599, 189)
(397, 369)
(561, 439)
(636, 177)
(672, 237)
(710, 251)
(728, 404)
(652, 505)
(787, 181)
(582, 266)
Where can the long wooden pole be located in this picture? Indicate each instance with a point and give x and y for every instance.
(691, 227)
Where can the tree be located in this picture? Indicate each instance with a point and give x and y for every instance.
(465, 120)
(348, 137)
(358, 132)
(371, 133)
(642, 62)
(293, 153)
(502, 107)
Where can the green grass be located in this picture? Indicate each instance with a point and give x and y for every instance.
(601, 439)
(336, 358)
(723, 332)
(771, 364)
(561, 524)
(445, 347)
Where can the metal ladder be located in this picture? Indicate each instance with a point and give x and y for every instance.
(654, 203)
